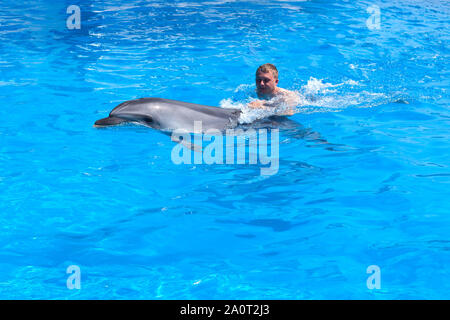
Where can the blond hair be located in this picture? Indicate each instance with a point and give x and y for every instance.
(268, 67)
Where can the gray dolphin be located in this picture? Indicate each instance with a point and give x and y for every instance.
(169, 115)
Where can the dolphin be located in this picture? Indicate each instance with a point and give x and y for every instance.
(169, 115)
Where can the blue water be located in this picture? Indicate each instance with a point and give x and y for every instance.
(363, 179)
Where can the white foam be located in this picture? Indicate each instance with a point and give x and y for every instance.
(315, 96)
(230, 104)
(315, 86)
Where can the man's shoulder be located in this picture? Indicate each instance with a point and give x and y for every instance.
(289, 97)
(284, 91)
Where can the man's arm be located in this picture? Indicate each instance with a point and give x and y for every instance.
(288, 99)
(260, 104)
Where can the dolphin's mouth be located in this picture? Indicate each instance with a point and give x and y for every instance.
(109, 121)
(135, 117)
(144, 119)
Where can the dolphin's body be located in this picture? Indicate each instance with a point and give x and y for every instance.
(169, 115)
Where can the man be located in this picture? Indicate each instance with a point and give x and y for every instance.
(271, 96)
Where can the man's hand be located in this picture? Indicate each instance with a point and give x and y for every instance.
(257, 104)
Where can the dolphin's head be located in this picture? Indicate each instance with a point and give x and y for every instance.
(144, 110)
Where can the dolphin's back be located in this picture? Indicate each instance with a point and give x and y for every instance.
(213, 111)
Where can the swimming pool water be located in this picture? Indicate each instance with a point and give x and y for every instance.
(363, 180)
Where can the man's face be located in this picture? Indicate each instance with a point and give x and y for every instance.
(265, 84)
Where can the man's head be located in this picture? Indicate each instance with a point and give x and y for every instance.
(266, 80)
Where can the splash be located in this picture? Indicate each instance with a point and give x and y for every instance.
(322, 96)
(315, 96)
